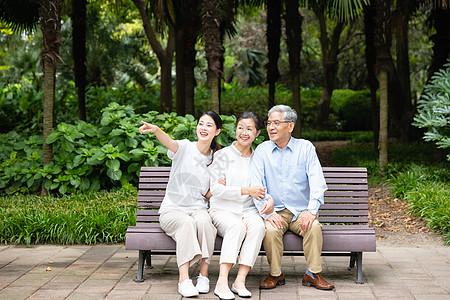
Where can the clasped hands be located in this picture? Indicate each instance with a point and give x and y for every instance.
(305, 218)
(257, 192)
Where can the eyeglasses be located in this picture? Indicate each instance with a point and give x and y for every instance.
(276, 123)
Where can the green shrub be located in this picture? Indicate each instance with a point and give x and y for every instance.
(434, 109)
(90, 218)
(353, 108)
(88, 158)
(413, 174)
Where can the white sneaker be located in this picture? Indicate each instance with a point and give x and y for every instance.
(202, 284)
(187, 288)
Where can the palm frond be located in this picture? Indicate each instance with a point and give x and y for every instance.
(19, 15)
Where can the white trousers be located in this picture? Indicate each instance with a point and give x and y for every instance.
(193, 233)
(243, 233)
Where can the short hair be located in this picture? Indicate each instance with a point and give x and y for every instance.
(288, 113)
(250, 115)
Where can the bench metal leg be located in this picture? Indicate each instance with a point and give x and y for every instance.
(148, 260)
(353, 256)
(140, 273)
(359, 268)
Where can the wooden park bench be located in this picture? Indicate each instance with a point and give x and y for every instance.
(344, 217)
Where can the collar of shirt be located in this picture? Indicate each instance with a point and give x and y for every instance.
(239, 152)
(290, 145)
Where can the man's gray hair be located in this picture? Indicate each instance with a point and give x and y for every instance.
(288, 113)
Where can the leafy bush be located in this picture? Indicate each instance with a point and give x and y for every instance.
(434, 109)
(89, 158)
(90, 218)
(353, 108)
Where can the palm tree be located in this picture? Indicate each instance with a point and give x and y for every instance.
(370, 53)
(48, 14)
(273, 46)
(165, 56)
(79, 53)
(383, 42)
(293, 21)
(341, 11)
(211, 19)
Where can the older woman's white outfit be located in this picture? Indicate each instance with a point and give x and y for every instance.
(183, 213)
(235, 215)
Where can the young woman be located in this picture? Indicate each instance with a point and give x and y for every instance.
(183, 213)
(232, 209)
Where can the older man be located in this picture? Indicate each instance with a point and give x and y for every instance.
(291, 172)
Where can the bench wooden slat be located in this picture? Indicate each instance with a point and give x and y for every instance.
(348, 188)
(336, 180)
(343, 206)
(343, 219)
(346, 194)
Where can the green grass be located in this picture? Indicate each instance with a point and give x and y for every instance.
(100, 217)
(413, 174)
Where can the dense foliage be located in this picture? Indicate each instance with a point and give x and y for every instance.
(88, 157)
(434, 109)
(414, 175)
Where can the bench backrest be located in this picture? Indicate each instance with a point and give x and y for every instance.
(346, 200)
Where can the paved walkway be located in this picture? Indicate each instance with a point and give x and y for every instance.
(107, 271)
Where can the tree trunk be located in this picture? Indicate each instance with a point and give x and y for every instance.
(401, 107)
(294, 43)
(165, 56)
(441, 39)
(191, 27)
(79, 53)
(383, 143)
(369, 24)
(384, 68)
(213, 47)
(214, 82)
(330, 50)
(180, 72)
(273, 46)
(51, 33)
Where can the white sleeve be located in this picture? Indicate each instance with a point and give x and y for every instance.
(182, 145)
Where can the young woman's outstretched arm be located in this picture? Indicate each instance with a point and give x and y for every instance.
(163, 137)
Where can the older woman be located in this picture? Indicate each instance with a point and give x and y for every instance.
(232, 209)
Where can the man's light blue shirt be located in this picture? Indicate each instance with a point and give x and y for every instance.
(293, 176)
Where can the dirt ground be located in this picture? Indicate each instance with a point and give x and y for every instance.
(394, 224)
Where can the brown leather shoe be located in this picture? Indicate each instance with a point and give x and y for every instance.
(271, 282)
(318, 282)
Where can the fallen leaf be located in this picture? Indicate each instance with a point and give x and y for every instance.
(48, 269)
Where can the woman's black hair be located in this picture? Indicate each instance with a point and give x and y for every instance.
(250, 115)
(218, 121)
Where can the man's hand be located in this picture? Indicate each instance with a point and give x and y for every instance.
(276, 220)
(257, 192)
(267, 207)
(306, 220)
(147, 127)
